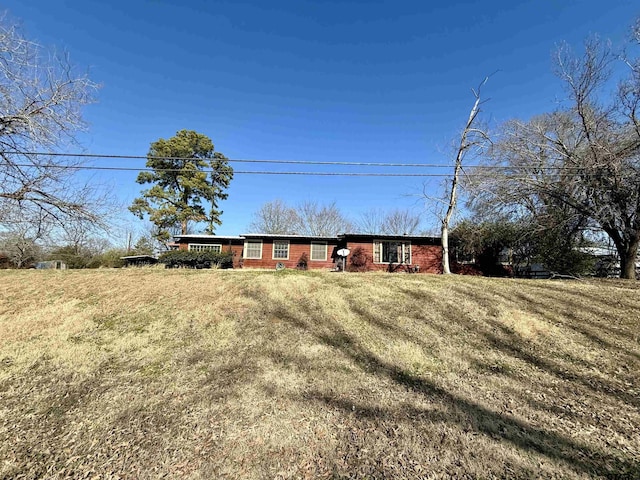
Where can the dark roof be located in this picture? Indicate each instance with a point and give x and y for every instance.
(374, 236)
(195, 236)
(285, 236)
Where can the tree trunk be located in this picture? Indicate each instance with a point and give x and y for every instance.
(445, 248)
(465, 144)
(628, 258)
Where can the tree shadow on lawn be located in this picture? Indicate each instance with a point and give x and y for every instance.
(572, 303)
(484, 420)
(502, 338)
(628, 291)
(382, 323)
(461, 411)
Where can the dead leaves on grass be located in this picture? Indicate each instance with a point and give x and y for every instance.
(256, 375)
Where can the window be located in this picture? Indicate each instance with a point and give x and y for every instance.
(391, 251)
(201, 247)
(253, 249)
(281, 249)
(504, 257)
(464, 257)
(319, 251)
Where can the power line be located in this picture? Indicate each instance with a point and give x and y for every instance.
(264, 172)
(234, 160)
(284, 162)
(245, 172)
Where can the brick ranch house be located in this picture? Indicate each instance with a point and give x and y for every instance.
(261, 250)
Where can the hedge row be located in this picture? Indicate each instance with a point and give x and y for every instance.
(187, 259)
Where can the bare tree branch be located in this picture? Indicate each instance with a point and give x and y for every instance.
(583, 158)
(274, 217)
(308, 218)
(41, 100)
(393, 222)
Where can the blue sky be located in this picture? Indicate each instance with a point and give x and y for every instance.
(325, 80)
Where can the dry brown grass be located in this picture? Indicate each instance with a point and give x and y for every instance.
(258, 374)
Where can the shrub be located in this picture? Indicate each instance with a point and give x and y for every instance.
(112, 258)
(187, 259)
(303, 261)
(359, 260)
(465, 269)
(70, 255)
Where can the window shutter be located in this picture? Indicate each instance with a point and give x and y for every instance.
(376, 252)
(407, 252)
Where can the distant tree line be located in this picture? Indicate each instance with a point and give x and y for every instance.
(316, 219)
(80, 252)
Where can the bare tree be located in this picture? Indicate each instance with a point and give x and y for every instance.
(401, 222)
(584, 156)
(19, 244)
(394, 222)
(308, 218)
(470, 138)
(148, 234)
(82, 237)
(275, 217)
(321, 220)
(40, 110)
(371, 221)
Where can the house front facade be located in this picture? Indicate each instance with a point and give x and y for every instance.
(263, 250)
(415, 253)
(406, 253)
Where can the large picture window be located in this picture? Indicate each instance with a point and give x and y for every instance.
(281, 249)
(253, 249)
(319, 251)
(391, 251)
(202, 247)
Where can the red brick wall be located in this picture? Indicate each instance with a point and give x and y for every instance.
(428, 257)
(237, 254)
(296, 248)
